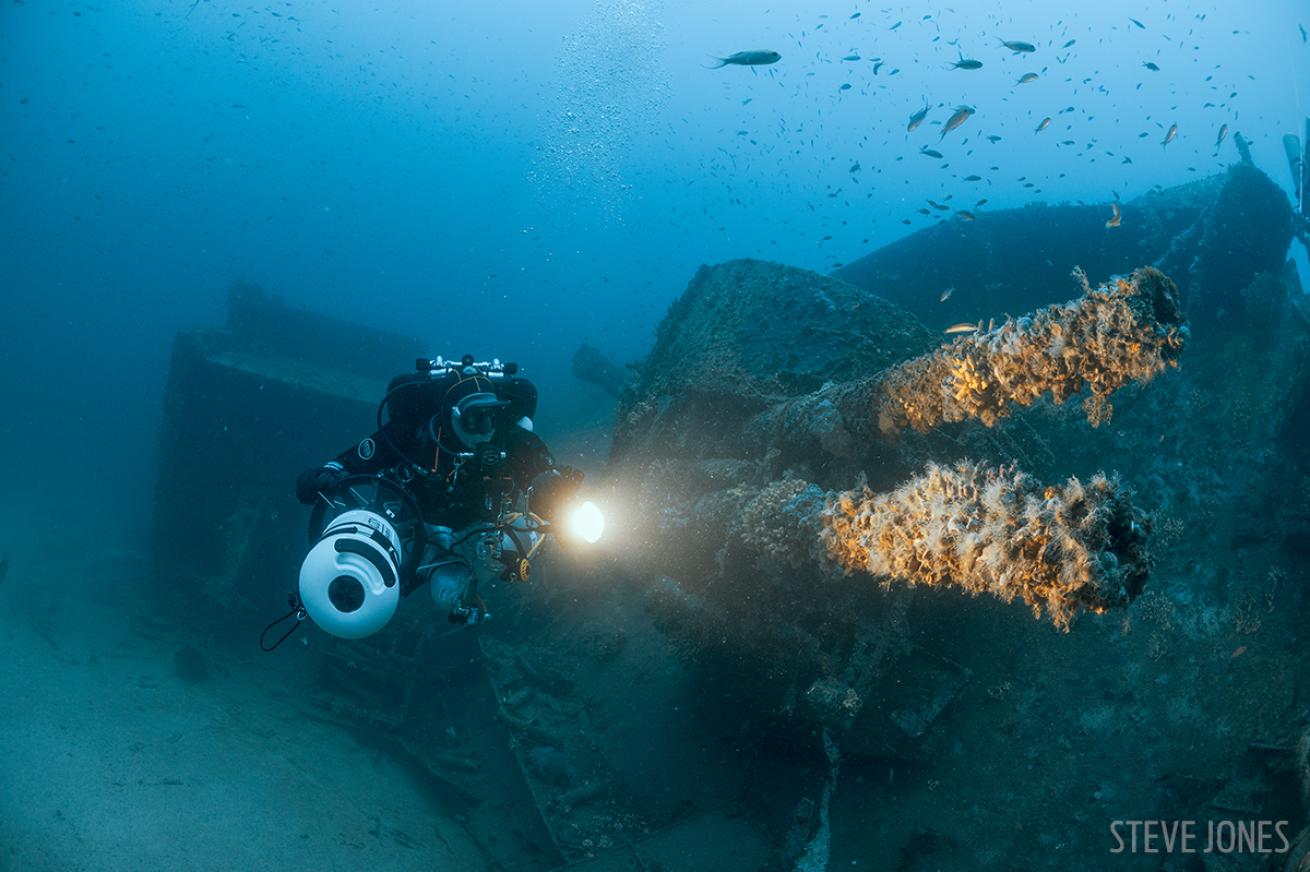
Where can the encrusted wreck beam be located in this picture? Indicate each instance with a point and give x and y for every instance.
(1107, 338)
(977, 528)
(1104, 340)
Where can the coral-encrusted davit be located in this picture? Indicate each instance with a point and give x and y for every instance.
(1127, 332)
(999, 531)
(968, 526)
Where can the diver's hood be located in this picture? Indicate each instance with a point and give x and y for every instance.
(477, 417)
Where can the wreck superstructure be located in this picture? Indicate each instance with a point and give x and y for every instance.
(814, 480)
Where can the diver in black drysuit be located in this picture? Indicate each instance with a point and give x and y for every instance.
(461, 444)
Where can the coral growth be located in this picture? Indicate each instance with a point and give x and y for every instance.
(970, 526)
(783, 521)
(1000, 531)
(1104, 340)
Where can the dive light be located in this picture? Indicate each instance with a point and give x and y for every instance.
(586, 522)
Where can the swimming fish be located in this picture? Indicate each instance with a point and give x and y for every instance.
(993, 138)
(916, 119)
(963, 327)
(973, 178)
(1069, 43)
(946, 294)
(961, 115)
(965, 215)
(1223, 131)
(1115, 216)
(1138, 23)
(1150, 66)
(756, 58)
(930, 153)
(1018, 47)
(1046, 122)
(851, 57)
(966, 64)
(1170, 136)
(1026, 78)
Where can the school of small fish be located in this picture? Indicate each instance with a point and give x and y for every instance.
(1059, 50)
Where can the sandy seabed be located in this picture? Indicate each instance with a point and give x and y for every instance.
(110, 760)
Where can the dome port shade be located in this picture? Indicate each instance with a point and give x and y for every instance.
(346, 593)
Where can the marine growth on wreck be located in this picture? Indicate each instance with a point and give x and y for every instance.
(1128, 331)
(997, 531)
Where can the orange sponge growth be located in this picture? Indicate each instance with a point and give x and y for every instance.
(997, 530)
(1107, 338)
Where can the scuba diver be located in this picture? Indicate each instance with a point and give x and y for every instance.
(454, 483)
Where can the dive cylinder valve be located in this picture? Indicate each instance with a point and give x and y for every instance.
(350, 579)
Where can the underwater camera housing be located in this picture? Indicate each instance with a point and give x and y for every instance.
(350, 579)
(366, 536)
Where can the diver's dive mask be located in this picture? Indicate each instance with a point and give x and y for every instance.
(476, 418)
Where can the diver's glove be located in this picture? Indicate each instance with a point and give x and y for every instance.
(551, 490)
(314, 481)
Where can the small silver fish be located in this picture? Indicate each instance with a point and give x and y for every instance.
(1223, 132)
(1170, 136)
(1046, 122)
(1018, 47)
(756, 58)
(1026, 78)
(946, 294)
(1115, 216)
(916, 119)
(965, 215)
(960, 116)
(963, 327)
